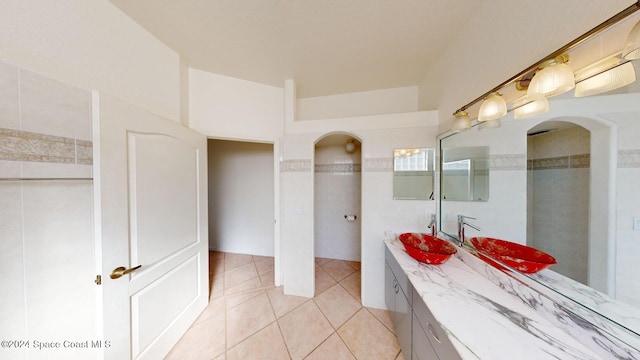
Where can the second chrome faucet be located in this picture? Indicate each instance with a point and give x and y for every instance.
(462, 221)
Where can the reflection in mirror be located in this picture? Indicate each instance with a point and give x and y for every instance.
(558, 177)
(565, 182)
(465, 173)
(413, 174)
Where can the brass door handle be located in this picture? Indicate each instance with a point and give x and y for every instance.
(119, 271)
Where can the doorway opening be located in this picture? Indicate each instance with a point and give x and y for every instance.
(558, 195)
(337, 221)
(241, 213)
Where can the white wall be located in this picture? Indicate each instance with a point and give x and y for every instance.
(46, 227)
(337, 181)
(94, 46)
(376, 102)
(379, 211)
(241, 199)
(229, 108)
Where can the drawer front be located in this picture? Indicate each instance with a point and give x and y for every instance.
(422, 348)
(436, 335)
(401, 277)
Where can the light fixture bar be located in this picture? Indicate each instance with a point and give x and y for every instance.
(577, 41)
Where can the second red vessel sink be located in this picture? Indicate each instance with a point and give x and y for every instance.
(520, 257)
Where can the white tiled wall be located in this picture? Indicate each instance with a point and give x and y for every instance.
(337, 191)
(560, 199)
(46, 226)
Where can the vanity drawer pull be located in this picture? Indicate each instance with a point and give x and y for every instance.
(433, 333)
(396, 286)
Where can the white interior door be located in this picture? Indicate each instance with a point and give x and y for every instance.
(151, 209)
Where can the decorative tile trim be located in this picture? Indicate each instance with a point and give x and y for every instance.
(84, 152)
(560, 162)
(508, 162)
(16, 145)
(378, 165)
(629, 159)
(582, 161)
(338, 168)
(297, 165)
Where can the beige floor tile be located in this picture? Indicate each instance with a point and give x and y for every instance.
(247, 318)
(333, 348)
(264, 264)
(216, 266)
(266, 344)
(352, 284)
(221, 357)
(383, 316)
(337, 305)
(367, 338)
(239, 275)
(322, 261)
(400, 356)
(204, 340)
(216, 285)
(215, 307)
(241, 298)
(281, 303)
(232, 261)
(243, 287)
(323, 281)
(355, 264)
(267, 279)
(338, 269)
(304, 329)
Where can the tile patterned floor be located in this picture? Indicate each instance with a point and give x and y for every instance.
(249, 318)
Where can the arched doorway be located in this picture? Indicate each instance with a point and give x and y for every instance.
(337, 217)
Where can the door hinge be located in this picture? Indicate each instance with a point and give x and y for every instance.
(98, 280)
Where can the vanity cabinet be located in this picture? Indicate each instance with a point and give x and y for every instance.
(419, 334)
(399, 308)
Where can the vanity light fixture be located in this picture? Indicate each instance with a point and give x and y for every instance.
(489, 124)
(461, 122)
(615, 77)
(555, 77)
(555, 63)
(526, 107)
(631, 49)
(494, 107)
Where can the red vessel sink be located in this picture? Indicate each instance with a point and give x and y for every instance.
(426, 248)
(520, 257)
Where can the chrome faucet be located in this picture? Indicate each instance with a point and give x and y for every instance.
(461, 223)
(432, 225)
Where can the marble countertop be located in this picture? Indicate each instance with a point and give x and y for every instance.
(482, 320)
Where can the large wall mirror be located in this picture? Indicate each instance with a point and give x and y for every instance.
(567, 182)
(413, 174)
(465, 173)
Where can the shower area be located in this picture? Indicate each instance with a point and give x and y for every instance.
(337, 189)
(558, 181)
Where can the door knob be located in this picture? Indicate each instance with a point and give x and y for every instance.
(119, 271)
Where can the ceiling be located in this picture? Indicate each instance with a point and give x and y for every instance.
(328, 47)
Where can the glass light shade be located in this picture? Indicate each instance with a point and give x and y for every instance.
(494, 107)
(611, 79)
(552, 80)
(631, 49)
(489, 124)
(531, 107)
(350, 147)
(461, 122)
